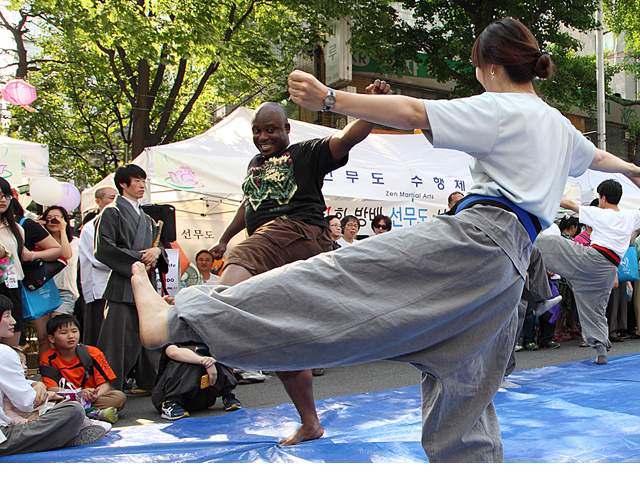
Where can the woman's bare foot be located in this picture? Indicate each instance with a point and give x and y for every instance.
(152, 309)
(303, 434)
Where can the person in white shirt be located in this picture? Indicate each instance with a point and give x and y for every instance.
(93, 274)
(441, 295)
(60, 426)
(350, 228)
(591, 271)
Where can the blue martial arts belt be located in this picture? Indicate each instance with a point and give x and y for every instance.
(528, 221)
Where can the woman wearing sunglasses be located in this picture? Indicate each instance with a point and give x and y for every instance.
(380, 224)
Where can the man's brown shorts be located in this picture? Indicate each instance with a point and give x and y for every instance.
(277, 243)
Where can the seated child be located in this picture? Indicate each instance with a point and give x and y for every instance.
(189, 379)
(63, 361)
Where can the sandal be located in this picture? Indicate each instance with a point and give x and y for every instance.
(576, 334)
(561, 338)
(583, 344)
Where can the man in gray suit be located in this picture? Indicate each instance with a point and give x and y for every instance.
(124, 235)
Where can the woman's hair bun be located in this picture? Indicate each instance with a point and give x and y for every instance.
(543, 67)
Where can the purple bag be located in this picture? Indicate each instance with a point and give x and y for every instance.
(556, 310)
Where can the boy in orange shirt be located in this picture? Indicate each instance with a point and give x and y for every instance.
(94, 380)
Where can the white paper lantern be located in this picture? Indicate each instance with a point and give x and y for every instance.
(46, 191)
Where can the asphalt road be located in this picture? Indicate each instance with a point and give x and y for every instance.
(370, 377)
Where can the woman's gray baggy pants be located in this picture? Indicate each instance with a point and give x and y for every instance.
(441, 295)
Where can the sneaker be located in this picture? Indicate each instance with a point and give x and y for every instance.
(90, 421)
(551, 345)
(231, 403)
(546, 305)
(251, 377)
(86, 436)
(518, 347)
(106, 415)
(530, 346)
(173, 411)
(135, 390)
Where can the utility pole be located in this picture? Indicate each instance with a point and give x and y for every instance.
(602, 128)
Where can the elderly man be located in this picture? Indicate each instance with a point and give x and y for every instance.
(93, 274)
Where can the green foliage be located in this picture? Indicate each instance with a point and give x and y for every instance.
(574, 83)
(623, 16)
(445, 32)
(121, 75)
(79, 114)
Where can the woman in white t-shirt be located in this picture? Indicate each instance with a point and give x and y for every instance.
(59, 426)
(441, 295)
(522, 150)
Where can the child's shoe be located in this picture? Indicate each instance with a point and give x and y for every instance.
(90, 421)
(107, 415)
(231, 403)
(173, 411)
(86, 436)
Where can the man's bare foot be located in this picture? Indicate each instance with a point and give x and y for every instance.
(152, 309)
(303, 434)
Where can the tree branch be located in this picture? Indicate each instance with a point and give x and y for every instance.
(114, 68)
(171, 101)
(127, 68)
(213, 67)
(159, 77)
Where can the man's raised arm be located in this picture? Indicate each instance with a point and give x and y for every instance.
(342, 142)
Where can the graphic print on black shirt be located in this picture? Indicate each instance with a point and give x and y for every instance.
(273, 180)
(289, 184)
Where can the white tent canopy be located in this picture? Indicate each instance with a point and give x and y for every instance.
(402, 176)
(378, 169)
(33, 156)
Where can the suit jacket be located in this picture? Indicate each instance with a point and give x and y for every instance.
(120, 235)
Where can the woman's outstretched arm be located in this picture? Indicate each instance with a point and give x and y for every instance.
(397, 111)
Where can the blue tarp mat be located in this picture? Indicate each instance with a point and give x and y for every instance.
(577, 412)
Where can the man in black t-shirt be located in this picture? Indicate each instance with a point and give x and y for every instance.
(283, 212)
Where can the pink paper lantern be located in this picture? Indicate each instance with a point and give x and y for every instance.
(19, 92)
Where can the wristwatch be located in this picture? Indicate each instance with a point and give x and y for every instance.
(329, 101)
